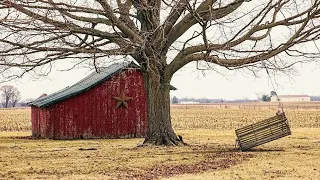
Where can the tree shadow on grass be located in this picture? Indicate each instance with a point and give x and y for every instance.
(26, 137)
(215, 158)
(211, 158)
(264, 150)
(212, 161)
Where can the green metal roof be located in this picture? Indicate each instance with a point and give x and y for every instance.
(85, 84)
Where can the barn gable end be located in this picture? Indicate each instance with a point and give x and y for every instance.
(87, 109)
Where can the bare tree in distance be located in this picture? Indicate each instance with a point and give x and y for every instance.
(10, 95)
(25, 102)
(16, 97)
(161, 36)
(6, 93)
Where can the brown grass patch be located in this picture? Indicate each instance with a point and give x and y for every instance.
(211, 161)
(228, 119)
(15, 119)
(211, 154)
(293, 157)
(24, 158)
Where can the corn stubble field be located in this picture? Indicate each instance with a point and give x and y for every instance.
(210, 154)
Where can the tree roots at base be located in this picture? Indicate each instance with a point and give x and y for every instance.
(165, 140)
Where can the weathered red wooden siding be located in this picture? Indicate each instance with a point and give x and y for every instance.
(92, 114)
(40, 124)
(35, 121)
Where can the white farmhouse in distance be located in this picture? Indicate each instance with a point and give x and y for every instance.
(188, 102)
(291, 98)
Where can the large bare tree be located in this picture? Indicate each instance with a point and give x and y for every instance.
(162, 36)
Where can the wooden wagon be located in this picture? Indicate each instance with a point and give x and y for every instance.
(262, 132)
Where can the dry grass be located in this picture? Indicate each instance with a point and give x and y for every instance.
(15, 119)
(293, 157)
(210, 154)
(222, 119)
(23, 158)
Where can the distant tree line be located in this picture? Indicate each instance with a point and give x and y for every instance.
(315, 98)
(261, 97)
(24, 103)
(176, 100)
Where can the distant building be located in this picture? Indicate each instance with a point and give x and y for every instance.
(291, 98)
(188, 102)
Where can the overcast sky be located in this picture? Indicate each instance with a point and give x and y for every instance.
(240, 85)
(191, 82)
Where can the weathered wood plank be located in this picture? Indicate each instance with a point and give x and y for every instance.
(262, 123)
(262, 132)
(245, 146)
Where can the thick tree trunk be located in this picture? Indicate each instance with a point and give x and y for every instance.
(160, 131)
(7, 103)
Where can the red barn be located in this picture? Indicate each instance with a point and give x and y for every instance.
(110, 103)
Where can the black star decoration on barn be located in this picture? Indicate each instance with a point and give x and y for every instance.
(122, 100)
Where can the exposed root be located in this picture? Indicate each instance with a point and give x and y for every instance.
(180, 139)
(164, 140)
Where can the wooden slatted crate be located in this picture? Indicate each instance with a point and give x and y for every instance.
(262, 132)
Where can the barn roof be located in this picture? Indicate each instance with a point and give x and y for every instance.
(85, 84)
